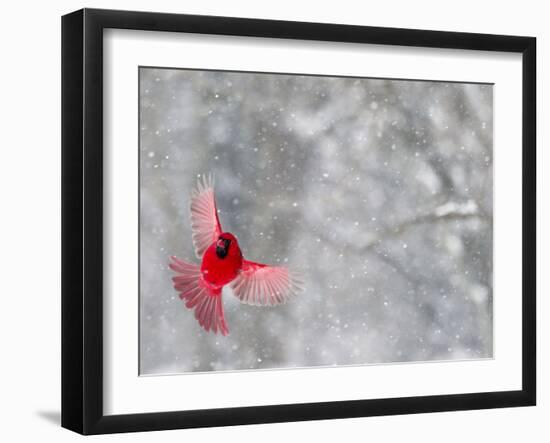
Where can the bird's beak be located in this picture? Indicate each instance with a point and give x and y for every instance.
(222, 246)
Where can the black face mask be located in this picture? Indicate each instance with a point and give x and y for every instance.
(222, 250)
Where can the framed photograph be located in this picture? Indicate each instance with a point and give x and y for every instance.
(269, 221)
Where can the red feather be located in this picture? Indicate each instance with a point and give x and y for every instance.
(259, 284)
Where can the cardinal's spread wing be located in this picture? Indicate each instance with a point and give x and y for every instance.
(265, 285)
(204, 215)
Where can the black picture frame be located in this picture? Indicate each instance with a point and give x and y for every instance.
(82, 220)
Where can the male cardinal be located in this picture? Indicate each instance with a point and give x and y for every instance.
(222, 263)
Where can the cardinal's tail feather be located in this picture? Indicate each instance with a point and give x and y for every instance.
(197, 295)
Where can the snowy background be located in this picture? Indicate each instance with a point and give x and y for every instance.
(380, 191)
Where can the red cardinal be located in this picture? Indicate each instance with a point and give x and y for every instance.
(223, 263)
